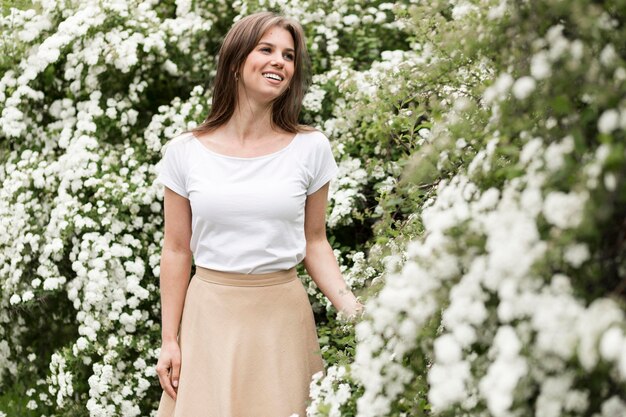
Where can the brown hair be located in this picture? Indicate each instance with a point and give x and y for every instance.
(240, 40)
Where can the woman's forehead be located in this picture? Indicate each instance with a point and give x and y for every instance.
(277, 36)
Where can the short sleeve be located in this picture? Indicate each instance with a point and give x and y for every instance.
(172, 169)
(323, 164)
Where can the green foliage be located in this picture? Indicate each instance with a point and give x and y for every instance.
(413, 96)
(93, 88)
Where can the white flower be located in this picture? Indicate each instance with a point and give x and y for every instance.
(503, 375)
(612, 343)
(551, 122)
(523, 87)
(554, 316)
(576, 50)
(447, 384)
(463, 9)
(553, 392)
(608, 56)
(599, 316)
(555, 152)
(498, 11)
(313, 99)
(576, 254)
(608, 121)
(170, 67)
(447, 350)
(613, 407)
(532, 148)
(28, 295)
(424, 133)
(15, 298)
(540, 66)
(345, 191)
(610, 181)
(576, 401)
(499, 89)
(488, 200)
(564, 210)
(81, 343)
(350, 20)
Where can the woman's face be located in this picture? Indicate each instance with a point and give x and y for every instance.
(268, 69)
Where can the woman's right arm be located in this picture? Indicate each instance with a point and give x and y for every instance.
(174, 279)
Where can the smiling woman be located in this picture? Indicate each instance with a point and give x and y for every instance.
(245, 198)
(268, 69)
(269, 35)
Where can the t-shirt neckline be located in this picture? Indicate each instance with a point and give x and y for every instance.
(209, 151)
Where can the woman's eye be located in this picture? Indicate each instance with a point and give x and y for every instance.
(265, 49)
(289, 57)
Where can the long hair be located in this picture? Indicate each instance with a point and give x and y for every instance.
(240, 40)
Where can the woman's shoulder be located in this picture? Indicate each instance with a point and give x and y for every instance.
(306, 129)
(312, 135)
(179, 142)
(184, 137)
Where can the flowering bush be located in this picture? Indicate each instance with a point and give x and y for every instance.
(510, 301)
(479, 206)
(90, 93)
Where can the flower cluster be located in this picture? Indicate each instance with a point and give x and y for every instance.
(330, 393)
(81, 218)
(509, 300)
(89, 94)
(479, 205)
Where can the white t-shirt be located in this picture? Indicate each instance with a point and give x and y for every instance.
(247, 213)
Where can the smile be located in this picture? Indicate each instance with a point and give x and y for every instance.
(272, 76)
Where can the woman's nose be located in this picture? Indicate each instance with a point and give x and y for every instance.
(278, 62)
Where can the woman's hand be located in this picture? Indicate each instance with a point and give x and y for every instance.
(353, 314)
(168, 367)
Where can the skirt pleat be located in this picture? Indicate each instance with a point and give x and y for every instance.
(249, 347)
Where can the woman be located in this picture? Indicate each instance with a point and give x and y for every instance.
(246, 195)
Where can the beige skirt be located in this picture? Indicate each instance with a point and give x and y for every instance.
(248, 345)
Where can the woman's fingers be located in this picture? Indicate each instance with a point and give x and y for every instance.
(168, 368)
(175, 372)
(163, 371)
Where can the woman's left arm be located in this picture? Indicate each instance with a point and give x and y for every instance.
(320, 261)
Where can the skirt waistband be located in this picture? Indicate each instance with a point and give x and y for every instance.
(237, 279)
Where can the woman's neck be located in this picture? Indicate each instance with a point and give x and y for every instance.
(250, 121)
